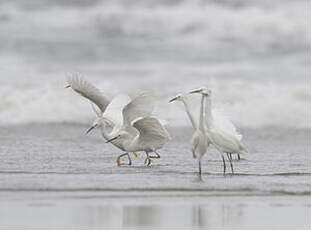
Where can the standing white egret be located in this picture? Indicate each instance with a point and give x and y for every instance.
(225, 142)
(199, 138)
(109, 125)
(151, 136)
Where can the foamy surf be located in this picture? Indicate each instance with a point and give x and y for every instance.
(246, 103)
(257, 68)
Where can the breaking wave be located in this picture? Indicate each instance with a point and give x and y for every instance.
(248, 104)
(254, 55)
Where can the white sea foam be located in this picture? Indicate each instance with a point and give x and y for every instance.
(248, 104)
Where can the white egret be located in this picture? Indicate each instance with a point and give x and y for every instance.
(150, 136)
(138, 108)
(199, 140)
(110, 124)
(224, 141)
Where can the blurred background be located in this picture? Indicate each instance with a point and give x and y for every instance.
(254, 54)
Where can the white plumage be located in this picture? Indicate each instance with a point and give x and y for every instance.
(87, 90)
(225, 139)
(123, 115)
(150, 136)
(199, 140)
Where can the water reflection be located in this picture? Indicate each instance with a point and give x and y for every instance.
(159, 216)
(198, 216)
(222, 213)
(141, 216)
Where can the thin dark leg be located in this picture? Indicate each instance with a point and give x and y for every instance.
(122, 155)
(230, 160)
(224, 163)
(200, 171)
(230, 154)
(130, 160)
(239, 157)
(148, 159)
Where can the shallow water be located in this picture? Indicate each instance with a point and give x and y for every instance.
(59, 157)
(99, 212)
(52, 175)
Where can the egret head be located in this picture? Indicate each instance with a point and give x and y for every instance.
(203, 90)
(96, 123)
(99, 121)
(178, 97)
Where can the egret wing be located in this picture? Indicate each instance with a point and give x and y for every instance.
(87, 90)
(114, 111)
(141, 106)
(152, 133)
(224, 141)
(224, 124)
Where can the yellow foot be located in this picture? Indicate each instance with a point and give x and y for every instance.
(148, 161)
(136, 154)
(119, 162)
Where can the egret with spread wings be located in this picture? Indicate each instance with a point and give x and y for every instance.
(109, 118)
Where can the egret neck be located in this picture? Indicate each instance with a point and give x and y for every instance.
(208, 112)
(190, 115)
(103, 128)
(201, 124)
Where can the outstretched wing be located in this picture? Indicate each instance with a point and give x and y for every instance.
(140, 107)
(87, 90)
(224, 124)
(152, 133)
(114, 111)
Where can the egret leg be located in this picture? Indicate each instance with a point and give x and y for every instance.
(122, 155)
(230, 160)
(148, 159)
(200, 168)
(129, 158)
(224, 163)
(239, 157)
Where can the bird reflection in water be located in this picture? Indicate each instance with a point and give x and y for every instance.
(162, 216)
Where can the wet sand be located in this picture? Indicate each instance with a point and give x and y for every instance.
(54, 176)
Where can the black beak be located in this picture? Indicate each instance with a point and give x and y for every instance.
(195, 91)
(174, 99)
(90, 129)
(68, 86)
(112, 139)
